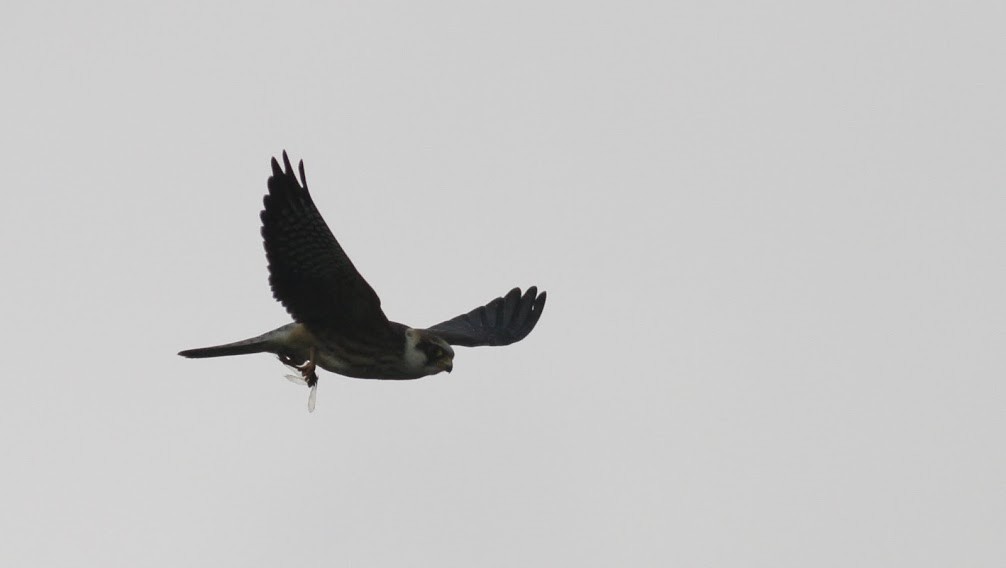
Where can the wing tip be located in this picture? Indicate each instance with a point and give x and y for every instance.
(531, 303)
(537, 306)
(283, 185)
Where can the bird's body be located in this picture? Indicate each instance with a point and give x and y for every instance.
(347, 356)
(339, 325)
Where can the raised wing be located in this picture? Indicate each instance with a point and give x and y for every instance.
(500, 322)
(309, 272)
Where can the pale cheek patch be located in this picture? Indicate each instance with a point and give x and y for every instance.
(414, 358)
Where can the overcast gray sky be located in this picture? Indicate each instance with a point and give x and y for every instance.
(772, 236)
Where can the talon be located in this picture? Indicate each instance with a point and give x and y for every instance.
(308, 369)
(311, 377)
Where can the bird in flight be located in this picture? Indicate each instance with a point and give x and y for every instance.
(338, 322)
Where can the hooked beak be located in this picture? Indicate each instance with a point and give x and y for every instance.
(447, 365)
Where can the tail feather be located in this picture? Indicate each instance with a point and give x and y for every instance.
(255, 345)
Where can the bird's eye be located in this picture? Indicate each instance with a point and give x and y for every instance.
(438, 353)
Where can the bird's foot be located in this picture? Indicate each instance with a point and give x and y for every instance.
(308, 369)
(308, 375)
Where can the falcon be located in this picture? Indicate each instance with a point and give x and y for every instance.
(338, 321)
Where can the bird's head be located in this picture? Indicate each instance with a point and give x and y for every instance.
(427, 351)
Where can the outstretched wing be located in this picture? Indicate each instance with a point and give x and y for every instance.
(309, 272)
(500, 322)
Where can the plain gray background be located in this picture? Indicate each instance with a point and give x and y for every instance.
(771, 233)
